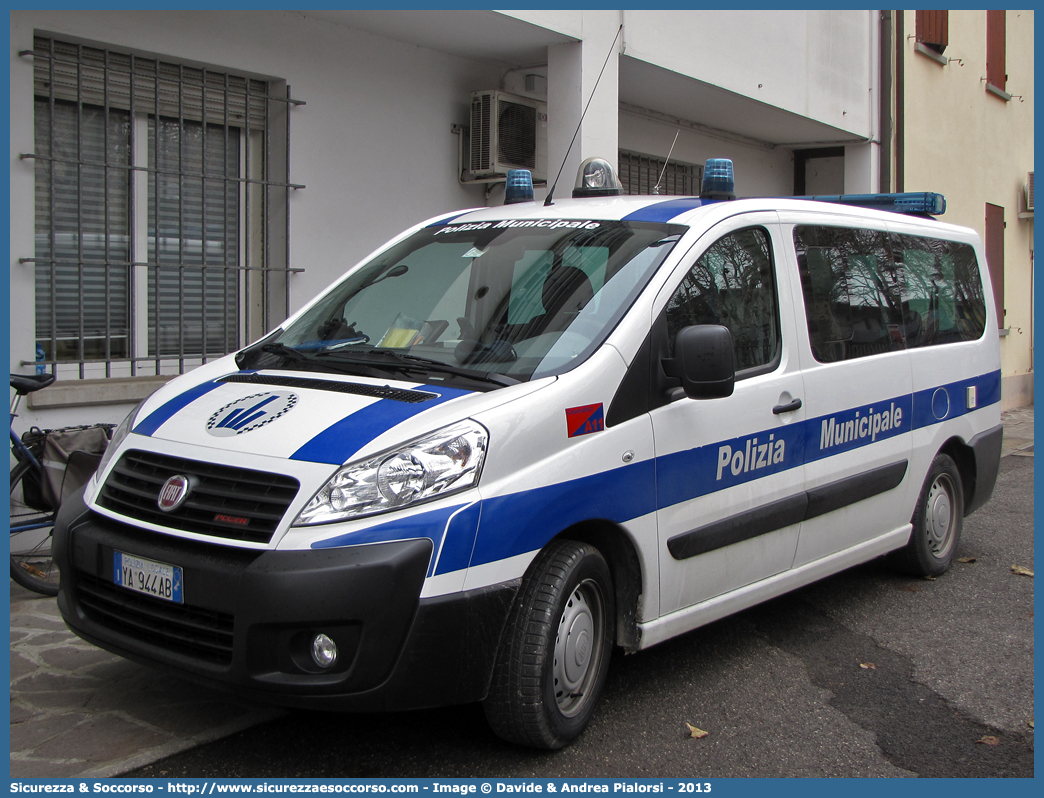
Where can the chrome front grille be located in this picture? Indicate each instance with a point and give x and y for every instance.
(224, 502)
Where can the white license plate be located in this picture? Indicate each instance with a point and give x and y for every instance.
(147, 576)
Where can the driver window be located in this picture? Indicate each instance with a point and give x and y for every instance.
(732, 284)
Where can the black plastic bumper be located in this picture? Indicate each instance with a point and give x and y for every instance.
(249, 616)
(986, 446)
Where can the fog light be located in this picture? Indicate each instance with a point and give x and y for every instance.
(324, 651)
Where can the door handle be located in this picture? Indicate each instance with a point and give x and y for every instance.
(789, 407)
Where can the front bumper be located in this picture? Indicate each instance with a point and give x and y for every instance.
(249, 617)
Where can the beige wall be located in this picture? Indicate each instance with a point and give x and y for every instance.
(976, 148)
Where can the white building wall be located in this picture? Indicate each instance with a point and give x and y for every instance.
(817, 64)
(373, 145)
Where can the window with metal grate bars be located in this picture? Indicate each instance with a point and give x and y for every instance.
(146, 171)
(639, 174)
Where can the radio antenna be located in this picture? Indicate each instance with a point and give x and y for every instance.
(656, 188)
(551, 192)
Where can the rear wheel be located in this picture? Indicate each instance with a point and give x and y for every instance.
(553, 660)
(937, 522)
(32, 565)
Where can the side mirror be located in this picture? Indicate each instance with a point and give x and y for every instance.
(703, 361)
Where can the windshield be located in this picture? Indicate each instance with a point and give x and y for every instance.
(513, 299)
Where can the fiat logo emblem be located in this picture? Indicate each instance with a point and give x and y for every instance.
(173, 493)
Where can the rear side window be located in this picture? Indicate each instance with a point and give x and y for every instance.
(868, 292)
(943, 300)
(733, 284)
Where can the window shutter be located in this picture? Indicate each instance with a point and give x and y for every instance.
(193, 221)
(933, 29)
(92, 73)
(89, 206)
(996, 68)
(995, 256)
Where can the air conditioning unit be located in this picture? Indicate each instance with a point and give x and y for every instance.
(507, 132)
(1029, 192)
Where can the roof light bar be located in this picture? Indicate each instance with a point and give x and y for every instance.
(908, 202)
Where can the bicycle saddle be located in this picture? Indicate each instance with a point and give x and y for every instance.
(27, 383)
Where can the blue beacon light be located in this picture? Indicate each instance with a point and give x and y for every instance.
(519, 187)
(719, 183)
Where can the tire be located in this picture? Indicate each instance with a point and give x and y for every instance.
(32, 565)
(937, 522)
(554, 656)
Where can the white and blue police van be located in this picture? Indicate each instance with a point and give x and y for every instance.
(516, 437)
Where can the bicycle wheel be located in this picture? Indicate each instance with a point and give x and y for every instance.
(32, 565)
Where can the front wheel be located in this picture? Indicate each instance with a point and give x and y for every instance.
(937, 522)
(552, 663)
(32, 565)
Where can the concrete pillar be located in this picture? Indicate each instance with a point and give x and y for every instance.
(862, 168)
(863, 161)
(572, 71)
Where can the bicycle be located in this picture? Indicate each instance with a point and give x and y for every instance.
(32, 565)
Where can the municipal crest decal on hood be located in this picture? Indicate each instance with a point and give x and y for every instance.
(250, 413)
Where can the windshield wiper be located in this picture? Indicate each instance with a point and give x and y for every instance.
(415, 363)
(291, 355)
(285, 352)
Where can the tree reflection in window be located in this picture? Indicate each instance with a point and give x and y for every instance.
(868, 292)
(732, 284)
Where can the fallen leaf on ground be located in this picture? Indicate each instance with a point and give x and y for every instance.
(989, 739)
(868, 666)
(929, 579)
(967, 559)
(1018, 569)
(1030, 722)
(694, 732)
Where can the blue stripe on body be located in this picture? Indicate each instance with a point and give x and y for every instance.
(666, 210)
(424, 525)
(525, 521)
(522, 522)
(458, 529)
(157, 418)
(337, 443)
(460, 540)
(934, 405)
(856, 427)
(449, 219)
(727, 463)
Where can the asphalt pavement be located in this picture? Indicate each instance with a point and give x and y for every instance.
(864, 674)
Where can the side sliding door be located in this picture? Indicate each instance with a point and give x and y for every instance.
(858, 391)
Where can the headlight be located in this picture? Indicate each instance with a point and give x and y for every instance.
(122, 431)
(444, 462)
